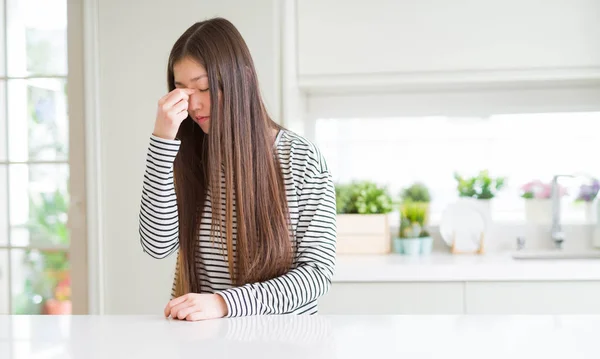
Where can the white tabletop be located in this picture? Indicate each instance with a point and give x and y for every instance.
(290, 337)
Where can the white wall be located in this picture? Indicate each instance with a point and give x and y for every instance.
(135, 38)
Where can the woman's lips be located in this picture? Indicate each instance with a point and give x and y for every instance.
(201, 119)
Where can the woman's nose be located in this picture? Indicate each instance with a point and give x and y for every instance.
(194, 102)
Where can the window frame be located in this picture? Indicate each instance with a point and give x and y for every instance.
(76, 160)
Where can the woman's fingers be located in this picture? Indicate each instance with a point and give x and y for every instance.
(173, 302)
(175, 96)
(176, 310)
(183, 313)
(179, 107)
(197, 315)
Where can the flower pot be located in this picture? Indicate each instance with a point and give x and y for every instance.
(585, 211)
(485, 205)
(538, 210)
(590, 212)
(426, 245)
(482, 205)
(411, 246)
(397, 246)
(56, 307)
(363, 234)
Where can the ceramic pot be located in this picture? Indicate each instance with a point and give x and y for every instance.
(411, 246)
(54, 307)
(397, 246)
(538, 211)
(426, 245)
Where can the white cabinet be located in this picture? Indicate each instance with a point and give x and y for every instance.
(442, 40)
(393, 298)
(493, 297)
(532, 297)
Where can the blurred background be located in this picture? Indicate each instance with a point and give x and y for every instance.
(446, 104)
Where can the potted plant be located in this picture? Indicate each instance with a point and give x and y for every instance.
(417, 192)
(47, 285)
(413, 238)
(414, 199)
(60, 302)
(363, 209)
(481, 188)
(538, 202)
(48, 270)
(588, 192)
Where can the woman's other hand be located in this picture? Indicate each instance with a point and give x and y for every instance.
(194, 307)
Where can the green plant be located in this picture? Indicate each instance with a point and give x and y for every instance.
(413, 219)
(48, 219)
(482, 186)
(417, 192)
(362, 197)
(48, 270)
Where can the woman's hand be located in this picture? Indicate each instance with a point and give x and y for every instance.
(172, 110)
(193, 307)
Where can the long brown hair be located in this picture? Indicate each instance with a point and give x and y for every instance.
(240, 144)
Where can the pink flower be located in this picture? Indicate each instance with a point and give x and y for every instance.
(540, 190)
(544, 192)
(529, 187)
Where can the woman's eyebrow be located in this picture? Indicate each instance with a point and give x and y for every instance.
(198, 77)
(191, 80)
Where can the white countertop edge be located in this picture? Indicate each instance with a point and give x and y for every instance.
(460, 268)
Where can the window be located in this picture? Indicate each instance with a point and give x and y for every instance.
(34, 159)
(396, 151)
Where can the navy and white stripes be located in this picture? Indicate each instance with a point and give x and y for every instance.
(311, 200)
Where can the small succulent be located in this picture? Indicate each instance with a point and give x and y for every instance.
(411, 231)
(413, 219)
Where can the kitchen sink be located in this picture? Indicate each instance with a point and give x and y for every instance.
(556, 254)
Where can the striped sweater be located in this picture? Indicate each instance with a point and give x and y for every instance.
(311, 200)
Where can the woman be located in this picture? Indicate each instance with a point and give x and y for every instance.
(266, 244)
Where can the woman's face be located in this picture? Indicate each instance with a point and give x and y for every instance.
(190, 74)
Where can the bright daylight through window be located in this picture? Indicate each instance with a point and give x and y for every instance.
(521, 147)
(34, 167)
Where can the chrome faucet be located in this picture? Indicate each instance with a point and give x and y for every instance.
(557, 234)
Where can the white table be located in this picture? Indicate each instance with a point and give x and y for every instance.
(290, 337)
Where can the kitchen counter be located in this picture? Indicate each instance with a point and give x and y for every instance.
(290, 337)
(464, 267)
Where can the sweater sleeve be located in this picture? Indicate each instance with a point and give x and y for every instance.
(158, 218)
(315, 258)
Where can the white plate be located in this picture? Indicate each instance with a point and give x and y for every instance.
(465, 221)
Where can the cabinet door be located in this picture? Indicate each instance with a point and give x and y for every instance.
(532, 297)
(393, 298)
(389, 36)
